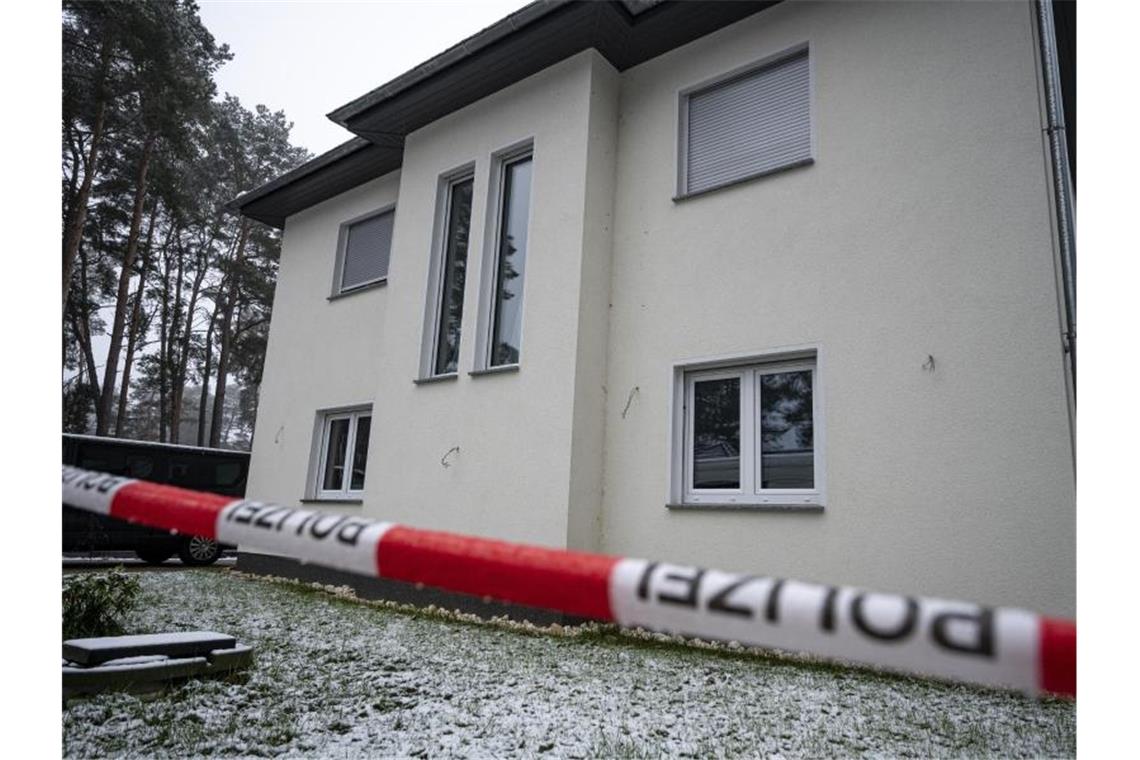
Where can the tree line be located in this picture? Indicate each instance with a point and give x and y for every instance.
(166, 292)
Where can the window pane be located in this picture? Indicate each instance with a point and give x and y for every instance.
(453, 277)
(786, 446)
(507, 333)
(335, 450)
(366, 250)
(360, 453)
(716, 433)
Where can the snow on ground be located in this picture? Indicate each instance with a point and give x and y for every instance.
(130, 561)
(336, 677)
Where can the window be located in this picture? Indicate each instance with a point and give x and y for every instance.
(363, 251)
(749, 434)
(746, 124)
(449, 274)
(343, 454)
(509, 265)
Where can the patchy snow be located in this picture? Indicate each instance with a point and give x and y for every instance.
(337, 677)
(84, 560)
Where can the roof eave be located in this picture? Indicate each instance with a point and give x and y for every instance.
(527, 41)
(454, 54)
(333, 172)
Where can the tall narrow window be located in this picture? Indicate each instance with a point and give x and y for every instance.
(510, 262)
(453, 271)
(343, 454)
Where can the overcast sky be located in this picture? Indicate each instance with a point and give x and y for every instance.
(307, 57)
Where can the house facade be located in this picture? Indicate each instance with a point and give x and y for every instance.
(767, 287)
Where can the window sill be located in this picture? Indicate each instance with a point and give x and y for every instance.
(738, 507)
(357, 502)
(435, 378)
(358, 289)
(794, 165)
(501, 369)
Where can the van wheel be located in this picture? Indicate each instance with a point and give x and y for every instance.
(199, 551)
(153, 556)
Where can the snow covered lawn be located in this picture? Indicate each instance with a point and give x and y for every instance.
(337, 677)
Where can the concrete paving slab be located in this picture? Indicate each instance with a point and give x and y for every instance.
(151, 672)
(95, 651)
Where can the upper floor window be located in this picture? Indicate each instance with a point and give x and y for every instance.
(363, 251)
(746, 124)
(510, 260)
(449, 273)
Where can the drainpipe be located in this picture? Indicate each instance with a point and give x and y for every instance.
(1062, 179)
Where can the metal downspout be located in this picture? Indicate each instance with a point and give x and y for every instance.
(1062, 179)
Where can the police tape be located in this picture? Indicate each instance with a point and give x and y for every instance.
(958, 641)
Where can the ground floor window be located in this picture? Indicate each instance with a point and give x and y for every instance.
(343, 452)
(749, 434)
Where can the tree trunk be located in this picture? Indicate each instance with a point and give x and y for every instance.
(128, 361)
(164, 322)
(83, 336)
(133, 333)
(107, 400)
(205, 392)
(79, 207)
(72, 187)
(81, 326)
(225, 338)
(178, 384)
(169, 345)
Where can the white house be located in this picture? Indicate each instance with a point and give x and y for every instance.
(775, 287)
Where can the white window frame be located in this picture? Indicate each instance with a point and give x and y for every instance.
(488, 280)
(683, 95)
(324, 426)
(338, 287)
(447, 183)
(747, 368)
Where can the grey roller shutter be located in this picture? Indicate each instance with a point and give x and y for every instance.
(367, 247)
(751, 124)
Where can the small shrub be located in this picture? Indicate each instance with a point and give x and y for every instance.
(94, 603)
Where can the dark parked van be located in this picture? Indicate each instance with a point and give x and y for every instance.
(218, 470)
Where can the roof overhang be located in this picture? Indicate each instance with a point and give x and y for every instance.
(340, 169)
(625, 32)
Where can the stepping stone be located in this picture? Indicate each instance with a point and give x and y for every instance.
(172, 645)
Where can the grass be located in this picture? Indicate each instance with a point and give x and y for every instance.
(337, 677)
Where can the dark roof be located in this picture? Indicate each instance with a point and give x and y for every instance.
(625, 32)
(345, 166)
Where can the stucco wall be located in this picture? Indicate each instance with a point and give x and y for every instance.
(921, 230)
(511, 476)
(587, 452)
(321, 353)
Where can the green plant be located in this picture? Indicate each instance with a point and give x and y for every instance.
(93, 603)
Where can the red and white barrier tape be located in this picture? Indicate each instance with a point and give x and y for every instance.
(958, 641)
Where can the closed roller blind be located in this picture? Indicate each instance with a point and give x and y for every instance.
(749, 125)
(366, 250)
